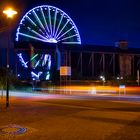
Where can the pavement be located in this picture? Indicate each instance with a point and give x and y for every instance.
(70, 116)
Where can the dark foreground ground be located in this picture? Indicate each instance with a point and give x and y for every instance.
(70, 118)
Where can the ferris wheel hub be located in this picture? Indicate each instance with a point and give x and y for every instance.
(51, 40)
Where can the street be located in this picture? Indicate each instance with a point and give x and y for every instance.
(61, 117)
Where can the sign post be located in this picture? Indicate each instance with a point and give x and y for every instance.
(122, 89)
(65, 71)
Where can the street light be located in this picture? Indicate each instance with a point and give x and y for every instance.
(119, 78)
(9, 12)
(103, 79)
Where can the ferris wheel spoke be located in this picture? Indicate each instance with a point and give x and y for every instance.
(46, 25)
(39, 35)
(45, 35)
(59, 24)
(71, 42)
(67, 37)
(39, 21)
(65, 33)
(54, 24)
(50, 21)
(32, 37)
(32, 22)
(62, 28)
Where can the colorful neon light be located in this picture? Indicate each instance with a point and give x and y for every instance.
(24, 64)
(47, 76)
(37, 65)
(36, 76)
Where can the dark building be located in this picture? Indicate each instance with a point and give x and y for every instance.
(86, 61)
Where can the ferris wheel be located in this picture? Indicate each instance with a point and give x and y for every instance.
(48, 24)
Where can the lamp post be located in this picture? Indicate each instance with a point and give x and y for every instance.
(9, 12)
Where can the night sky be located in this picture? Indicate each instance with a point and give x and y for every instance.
(100, 22)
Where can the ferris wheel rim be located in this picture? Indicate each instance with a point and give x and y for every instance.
(61, 11)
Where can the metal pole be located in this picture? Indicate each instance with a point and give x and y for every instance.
(113, 64)
(92, 64)
(133, 64)
(81, 65)
(7, 71)
(7, 87)
(103, 55)
(138, 77)
(9, 13)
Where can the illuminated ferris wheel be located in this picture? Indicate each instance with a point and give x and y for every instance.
(48, 24)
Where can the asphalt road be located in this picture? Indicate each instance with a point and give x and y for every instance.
(60, 117)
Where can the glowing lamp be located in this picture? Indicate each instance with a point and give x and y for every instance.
(10, 12)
